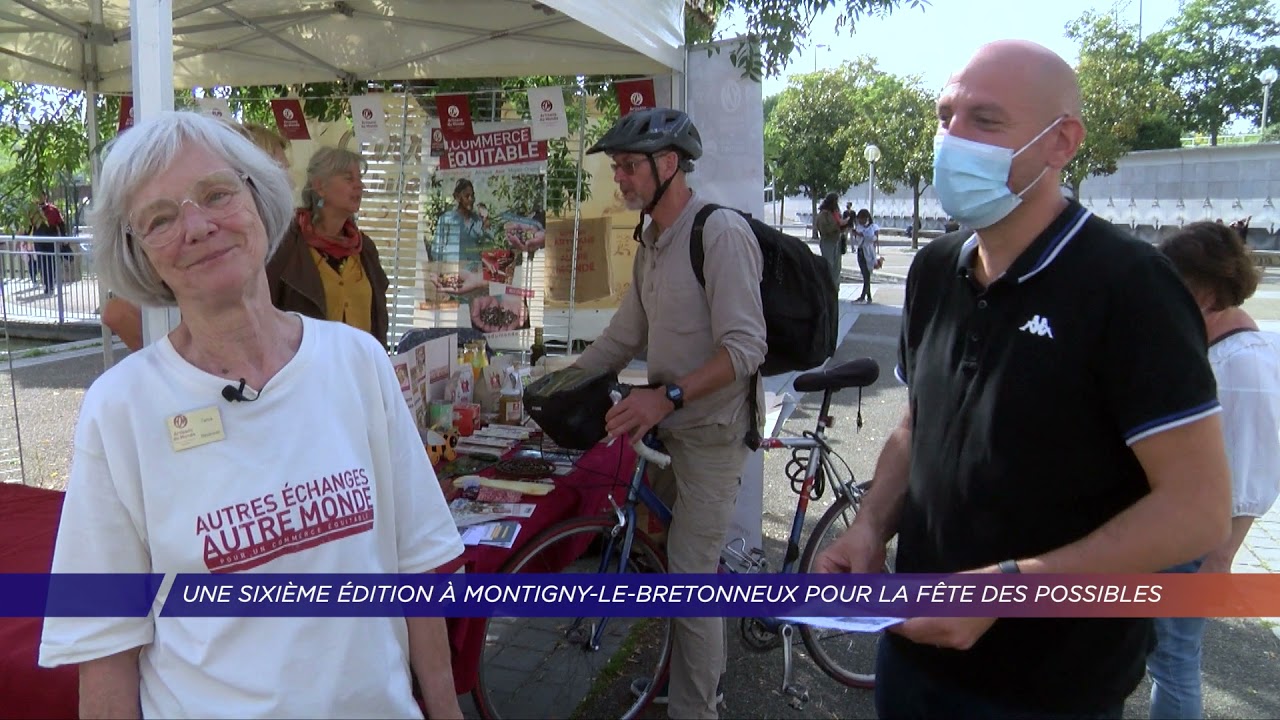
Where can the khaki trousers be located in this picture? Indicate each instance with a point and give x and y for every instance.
(701, 488)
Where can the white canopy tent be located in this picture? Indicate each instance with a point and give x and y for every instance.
(266, 42)
(89, 45)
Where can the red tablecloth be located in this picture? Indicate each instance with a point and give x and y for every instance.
(583, 492)
(29, 525)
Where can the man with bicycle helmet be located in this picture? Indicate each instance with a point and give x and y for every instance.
(702, 348)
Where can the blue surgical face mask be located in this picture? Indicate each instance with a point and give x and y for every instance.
(971, 179)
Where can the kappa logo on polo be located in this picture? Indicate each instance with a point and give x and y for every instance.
(1038, 326)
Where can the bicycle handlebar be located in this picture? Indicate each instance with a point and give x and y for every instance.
(657, 457)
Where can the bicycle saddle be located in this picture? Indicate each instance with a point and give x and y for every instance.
(855, 373)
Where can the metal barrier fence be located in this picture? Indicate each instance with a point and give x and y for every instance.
(48, 280)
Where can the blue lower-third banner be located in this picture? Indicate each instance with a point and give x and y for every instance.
(639, 595)
(77, 595)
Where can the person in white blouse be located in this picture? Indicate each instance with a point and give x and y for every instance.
(865, 239)
(1214, 262)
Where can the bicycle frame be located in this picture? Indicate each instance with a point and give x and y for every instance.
(638, 491)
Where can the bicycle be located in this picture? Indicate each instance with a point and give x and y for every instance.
(567, 663)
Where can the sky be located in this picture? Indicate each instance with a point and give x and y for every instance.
(934, 41)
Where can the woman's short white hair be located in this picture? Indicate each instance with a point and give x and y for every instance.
(150, 148)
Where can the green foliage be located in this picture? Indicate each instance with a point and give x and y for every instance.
(1157, 133)
(325, 102)
(818, 128)
(1112, 57)
(806, 133)
(783, 25)
(896, 115)
(47, 146)
(1211, 54)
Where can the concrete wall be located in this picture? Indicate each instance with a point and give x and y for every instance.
(1157, 191)
(1152, 192)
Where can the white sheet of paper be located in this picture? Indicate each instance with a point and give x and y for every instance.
(850, 624)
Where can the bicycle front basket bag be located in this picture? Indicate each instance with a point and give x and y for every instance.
(570, 404)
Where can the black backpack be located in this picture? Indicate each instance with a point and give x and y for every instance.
(801, 313)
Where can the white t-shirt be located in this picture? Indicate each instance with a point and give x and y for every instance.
(1247, 368)
(324, 472)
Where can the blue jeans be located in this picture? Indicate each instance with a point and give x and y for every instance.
(1174, 666)
(904, 692)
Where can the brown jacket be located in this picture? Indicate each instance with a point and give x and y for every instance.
(296, 286)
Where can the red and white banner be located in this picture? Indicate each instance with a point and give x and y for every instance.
(455, 117)
(437, 141)
(126, 114)
(513, 149)
(635, 95)
(289, 118)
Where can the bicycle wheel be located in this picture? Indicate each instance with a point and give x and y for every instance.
(545, 667)
(849, 658)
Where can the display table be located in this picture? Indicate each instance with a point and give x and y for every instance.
(29, 525)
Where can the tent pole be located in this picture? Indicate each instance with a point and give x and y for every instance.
(577, 214)
(151, 43)
(89, 56)
(400, 186)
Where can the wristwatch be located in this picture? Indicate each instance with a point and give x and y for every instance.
(675, 395)
(1009, 567)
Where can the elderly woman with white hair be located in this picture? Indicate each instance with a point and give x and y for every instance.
(326, 267)
(287, 472)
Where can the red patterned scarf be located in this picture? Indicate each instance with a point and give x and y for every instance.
(343, 246)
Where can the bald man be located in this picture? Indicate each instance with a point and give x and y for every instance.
(1062, 413)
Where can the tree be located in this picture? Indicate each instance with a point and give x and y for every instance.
(1157, 133)
(806, 131)
(1112, 57)
(45, 136)
(897, 115)
(781, 25)
(1211, 54)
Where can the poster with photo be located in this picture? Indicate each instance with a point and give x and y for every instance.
(489, 227)
(424, 372)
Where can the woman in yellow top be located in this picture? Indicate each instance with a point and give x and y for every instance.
(326, 268)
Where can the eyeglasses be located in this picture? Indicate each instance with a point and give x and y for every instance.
(628, 167)
(218, 195)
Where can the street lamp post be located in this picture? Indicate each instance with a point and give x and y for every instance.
(1266, 77)
(815, 54)
(872, 154)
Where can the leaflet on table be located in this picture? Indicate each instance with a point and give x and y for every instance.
(494, 510)
(849, 624)
(513, 432)
(492, 441)
(496, 534)
(424, 372)
(468, 448)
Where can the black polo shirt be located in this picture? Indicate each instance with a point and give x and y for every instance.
(1025, 399)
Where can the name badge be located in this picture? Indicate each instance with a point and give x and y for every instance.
(196, 428)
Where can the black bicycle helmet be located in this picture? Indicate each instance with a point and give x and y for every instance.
(652, 131)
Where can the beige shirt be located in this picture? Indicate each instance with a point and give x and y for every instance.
(682, 325)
